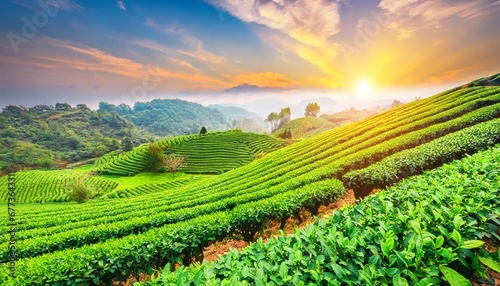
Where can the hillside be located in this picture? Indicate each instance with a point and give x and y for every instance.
(166, 227)
(349, 116)
(47, 136)
(305, 127)
(169, 117)
(213, 153)
(219, 153)
(375, 242)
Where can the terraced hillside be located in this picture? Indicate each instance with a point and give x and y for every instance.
(94, 243)
(51, 186)
(221, 152)
(213, 153)
(305, 127)
(416, 232)
(134, 161)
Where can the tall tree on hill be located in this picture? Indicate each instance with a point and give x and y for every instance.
(174, 162)
(312, 109)
(273, 119)
(203, 130)
(156, 157)
(284, 116)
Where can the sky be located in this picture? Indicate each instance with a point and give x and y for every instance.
(127, 51)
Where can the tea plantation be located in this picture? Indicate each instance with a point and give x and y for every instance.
(423, 230)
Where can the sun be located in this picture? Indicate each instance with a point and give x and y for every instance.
(364, 87)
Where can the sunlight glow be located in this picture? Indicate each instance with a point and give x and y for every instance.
(364, 87)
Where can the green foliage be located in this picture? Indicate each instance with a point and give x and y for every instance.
(39, 186)
(305, 127)
(79, 192)
(127, 144)
(273, 119)
(156, 158)
(221, 152)
(414, 233)
(64, 133)
(386, 237)
(415, 161)
(168, 117)
(279, 120)
(213, 153)
(312, 109)
(45, 162)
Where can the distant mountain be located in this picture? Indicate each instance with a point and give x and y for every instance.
(265, 106)
(248, 88)
(235, 113)
(243, 119)
(169, 117)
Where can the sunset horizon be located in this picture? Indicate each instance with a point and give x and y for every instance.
(126, 51)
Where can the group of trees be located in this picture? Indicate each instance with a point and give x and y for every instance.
(157, 160)
(287, 134)
(312, 110)
(47, 136)
(279, 120)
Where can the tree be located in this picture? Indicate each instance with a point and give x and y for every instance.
(203, 130)
(45, 162)
(156, 157)
(62, 106)
(284, 116)
(79, 192)
(83, 107)
(287, 134)
(273, 119)
(127, 144)
(174, 162)
(396, 103)
(312, 109)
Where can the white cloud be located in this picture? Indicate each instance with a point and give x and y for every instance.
(302, 20)
(408, 16)
(121, 5)
(308, 23)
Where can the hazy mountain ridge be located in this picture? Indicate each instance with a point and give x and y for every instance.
(169, 117)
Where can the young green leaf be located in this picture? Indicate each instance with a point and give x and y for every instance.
(453, 277)
(470, 244)
(490, 263)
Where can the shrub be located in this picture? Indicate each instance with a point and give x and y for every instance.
(79, 192)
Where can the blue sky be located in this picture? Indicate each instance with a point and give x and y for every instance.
(123, 51)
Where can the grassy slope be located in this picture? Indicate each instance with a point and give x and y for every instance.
(213, 153)
(221, 152)
(376, 242)
(305, 127)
